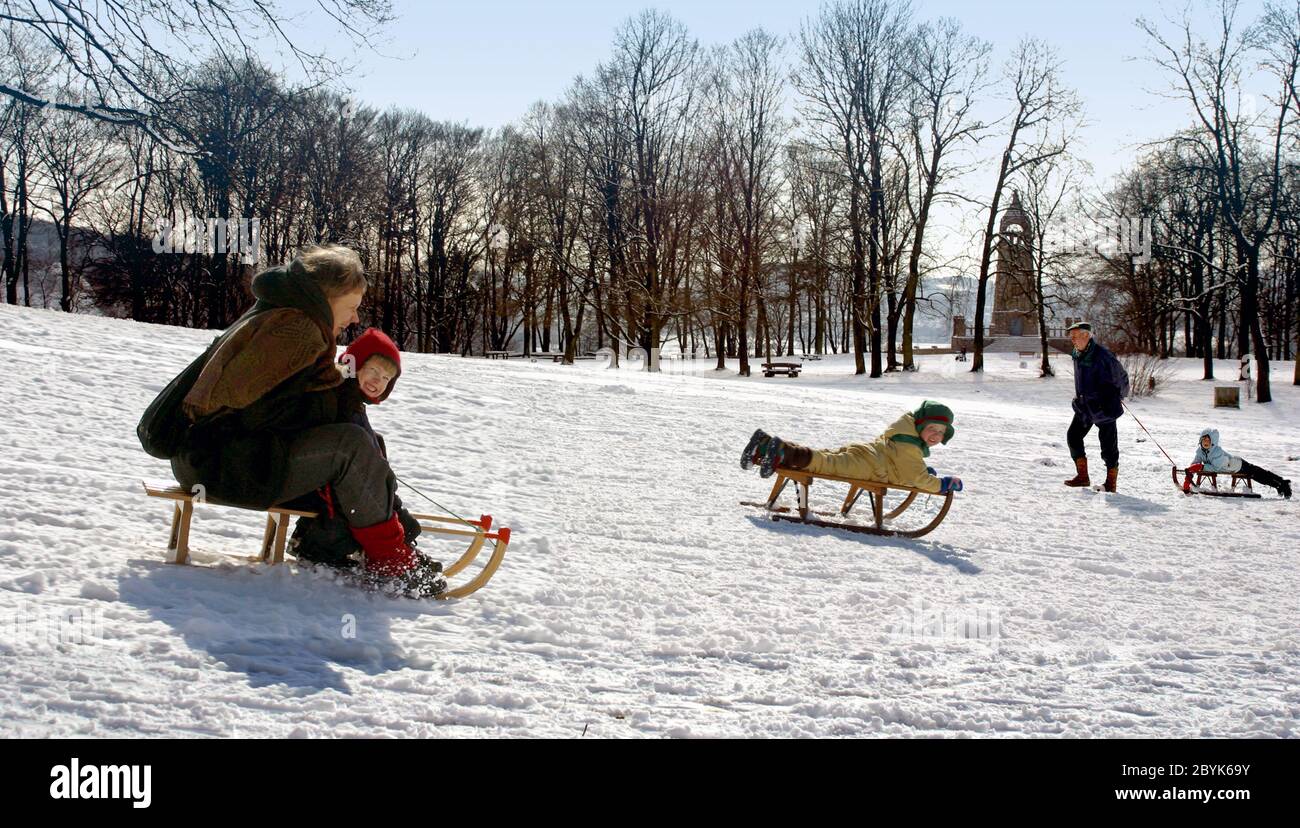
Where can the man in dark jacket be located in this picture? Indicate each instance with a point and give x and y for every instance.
(1100, 385)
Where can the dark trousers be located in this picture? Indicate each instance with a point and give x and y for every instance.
(1106, 432)
(346, 457)
(1258, 475)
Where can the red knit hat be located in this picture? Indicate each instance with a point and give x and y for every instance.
(371, 343)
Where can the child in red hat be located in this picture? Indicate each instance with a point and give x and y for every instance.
(371, 366)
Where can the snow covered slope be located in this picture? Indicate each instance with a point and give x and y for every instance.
(638, 597)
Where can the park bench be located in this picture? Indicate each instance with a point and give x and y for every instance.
(789, 369)
(277, 528)
(560, 357)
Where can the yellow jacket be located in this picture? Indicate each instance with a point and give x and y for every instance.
(900, 462)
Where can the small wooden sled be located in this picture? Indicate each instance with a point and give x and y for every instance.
(277, 529)
(875, 495)
(1198, 477)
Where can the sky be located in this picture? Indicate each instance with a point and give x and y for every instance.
(486, 62)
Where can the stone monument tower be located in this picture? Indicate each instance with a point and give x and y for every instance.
(1013, 296)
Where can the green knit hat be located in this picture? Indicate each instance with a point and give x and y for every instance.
(932, 412)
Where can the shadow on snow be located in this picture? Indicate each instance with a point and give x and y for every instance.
(297, 628)
(940, 553)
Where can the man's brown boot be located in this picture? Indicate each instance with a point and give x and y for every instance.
(1081, 478)
(1112, 478)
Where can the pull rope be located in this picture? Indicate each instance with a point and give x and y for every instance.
(1149, 434)
(431, 500)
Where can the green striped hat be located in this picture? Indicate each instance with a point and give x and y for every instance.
(932, 412)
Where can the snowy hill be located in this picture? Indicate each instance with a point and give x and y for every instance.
(638, 597)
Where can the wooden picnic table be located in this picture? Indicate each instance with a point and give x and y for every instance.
(789, 369)
(560, 357)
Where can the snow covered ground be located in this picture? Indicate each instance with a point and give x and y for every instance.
(638, 597)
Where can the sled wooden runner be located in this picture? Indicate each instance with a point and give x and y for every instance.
(875, 492)
(277, 528)
(480, 533)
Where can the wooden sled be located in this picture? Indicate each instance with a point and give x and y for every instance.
(1199, 477)
(277, 529)
(875, 495)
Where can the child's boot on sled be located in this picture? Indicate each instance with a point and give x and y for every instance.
(1112, 479)
(780, 454)
(392, 562)
(1080, 478)
(754, 449)
(323, 540)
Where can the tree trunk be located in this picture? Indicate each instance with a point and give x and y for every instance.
(857, 304)
(1250, 318)
(793, 306)
(64, 228)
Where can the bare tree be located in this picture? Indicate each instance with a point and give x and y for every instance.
(22, 57)
(817, 199)
(1040, 127)
(948, 69)
(851, 74)
(1207, 76)
(655, 68)
(77, 161)
(129, 54)
(1049, 188)
(1278, 33)
(748, 103)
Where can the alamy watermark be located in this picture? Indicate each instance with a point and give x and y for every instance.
(240, 237)
(44, 626)
(656, 360)
(77, 781)
(1113, 238)
(922, 620)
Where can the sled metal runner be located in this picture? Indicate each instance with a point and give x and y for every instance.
(875, 492)
(479, 532)
(1198, 477)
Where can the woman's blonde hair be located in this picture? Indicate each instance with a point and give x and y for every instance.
(336, 269)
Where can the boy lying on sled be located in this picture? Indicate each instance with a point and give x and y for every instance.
(896, 457)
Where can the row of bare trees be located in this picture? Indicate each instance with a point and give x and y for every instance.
(668, 197)
(1222, 196)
